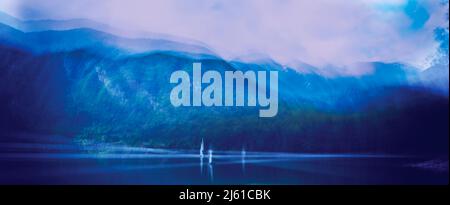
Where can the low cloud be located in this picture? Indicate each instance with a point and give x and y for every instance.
(321, 32)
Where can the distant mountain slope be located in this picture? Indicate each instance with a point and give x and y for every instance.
(49, 35)
(437, 77)
(125, 100)
(87, 84)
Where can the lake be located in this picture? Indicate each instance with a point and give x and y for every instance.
(35, 159)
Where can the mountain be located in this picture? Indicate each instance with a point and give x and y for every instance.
(55, 25)
(93, 86)
(437, 77)
(52, 35)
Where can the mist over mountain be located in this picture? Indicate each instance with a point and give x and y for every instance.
(52, 35)
(100, 87)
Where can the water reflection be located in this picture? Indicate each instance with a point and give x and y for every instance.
(243, 153)
(201, 165)
(211, 172)
(49, 163)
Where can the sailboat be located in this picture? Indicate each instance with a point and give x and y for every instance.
(210, 156)
(202, 147)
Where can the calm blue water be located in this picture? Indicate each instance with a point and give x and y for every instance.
(31, 159)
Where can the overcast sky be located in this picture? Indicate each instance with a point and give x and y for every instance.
(319, 32)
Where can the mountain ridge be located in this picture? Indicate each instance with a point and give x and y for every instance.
(92, 91)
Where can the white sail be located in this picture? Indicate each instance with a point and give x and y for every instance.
(210, 156)
(201, 149)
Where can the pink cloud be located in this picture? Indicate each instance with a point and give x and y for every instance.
(321, 32)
